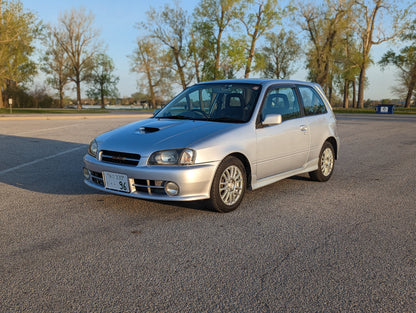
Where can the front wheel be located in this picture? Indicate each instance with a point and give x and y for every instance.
(229, 185)
(325, 164)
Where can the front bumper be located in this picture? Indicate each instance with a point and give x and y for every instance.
(148, 182)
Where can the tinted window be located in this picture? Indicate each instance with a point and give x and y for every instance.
(281, 101)
(214, 102)
(312, 102)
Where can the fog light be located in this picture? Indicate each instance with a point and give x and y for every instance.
(172, 189)
(86, 173)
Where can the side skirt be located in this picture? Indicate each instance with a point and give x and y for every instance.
(311, 166)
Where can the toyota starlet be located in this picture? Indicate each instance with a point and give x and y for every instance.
(217, 139)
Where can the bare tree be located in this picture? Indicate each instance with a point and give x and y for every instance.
(324, 26)
(369, 28)
(170, 26)
(79, 39)
(148, 59)
(56, 64)
(196, 51)
(262, 18)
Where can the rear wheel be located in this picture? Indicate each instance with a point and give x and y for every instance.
(229, 185)
(325, 164)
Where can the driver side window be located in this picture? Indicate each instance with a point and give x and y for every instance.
(281, 101)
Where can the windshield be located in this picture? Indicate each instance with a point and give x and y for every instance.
(223, 102)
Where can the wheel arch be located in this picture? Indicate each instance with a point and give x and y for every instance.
(334, 144)
(246, 164)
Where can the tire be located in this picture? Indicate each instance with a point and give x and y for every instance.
(228, 186)
(326, 164)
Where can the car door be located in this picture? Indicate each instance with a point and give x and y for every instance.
(315, 112)
(282, 147)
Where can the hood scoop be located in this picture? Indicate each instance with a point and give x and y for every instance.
(154, 126)
(148, 130)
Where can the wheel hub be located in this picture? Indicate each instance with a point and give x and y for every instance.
(231, 185)
(327, 162)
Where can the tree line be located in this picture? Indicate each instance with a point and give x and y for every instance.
(220, 39)
(72, 53)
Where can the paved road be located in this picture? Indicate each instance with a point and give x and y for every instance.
(296, 246)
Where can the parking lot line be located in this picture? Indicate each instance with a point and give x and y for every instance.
(40, 160)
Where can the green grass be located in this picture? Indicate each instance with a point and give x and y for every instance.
(51, 111)
(350, 110)
(373, 110)
(67, 111)
(405, 111)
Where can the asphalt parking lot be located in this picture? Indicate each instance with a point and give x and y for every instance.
(348, 245)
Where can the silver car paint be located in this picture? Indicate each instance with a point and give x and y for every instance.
(213, 141)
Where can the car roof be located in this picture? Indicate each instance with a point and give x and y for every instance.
(259, 81)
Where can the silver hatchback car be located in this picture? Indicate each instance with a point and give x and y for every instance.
(215, 140)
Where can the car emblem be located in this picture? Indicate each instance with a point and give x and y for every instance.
(118, 158)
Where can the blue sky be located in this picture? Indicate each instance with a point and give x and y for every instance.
(116, 20)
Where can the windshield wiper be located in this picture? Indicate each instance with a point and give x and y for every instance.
(177, 117)
(184, 117)
(226, 120)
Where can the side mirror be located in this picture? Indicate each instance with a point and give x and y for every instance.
(272, 119)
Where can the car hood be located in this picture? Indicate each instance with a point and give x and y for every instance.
(147, 136)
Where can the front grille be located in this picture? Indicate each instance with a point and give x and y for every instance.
(97, 178)
(120, 157)
(143, 186)
(151, 187)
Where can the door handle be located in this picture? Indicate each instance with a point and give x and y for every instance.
(303, 128)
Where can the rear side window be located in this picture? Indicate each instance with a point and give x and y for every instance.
(312, 102)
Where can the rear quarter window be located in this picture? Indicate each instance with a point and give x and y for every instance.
(312, 102)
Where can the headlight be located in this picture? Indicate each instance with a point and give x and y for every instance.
(93, 148)
(173, 157)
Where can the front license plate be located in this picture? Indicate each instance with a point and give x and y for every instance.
(116, 181)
